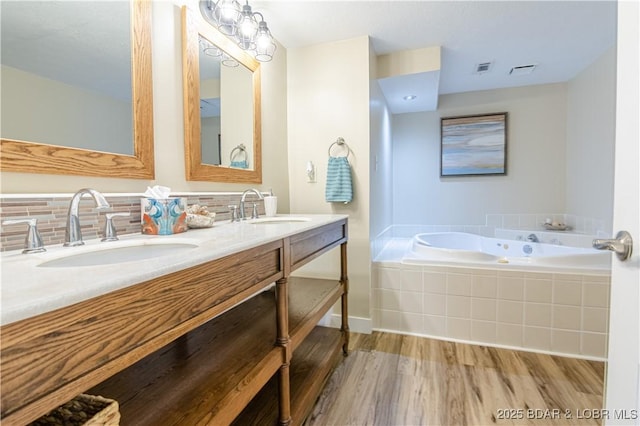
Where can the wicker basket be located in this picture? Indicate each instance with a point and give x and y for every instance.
(85, 410)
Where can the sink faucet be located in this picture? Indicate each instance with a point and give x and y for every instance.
(72, 234)
(533, 238)
(241, 214)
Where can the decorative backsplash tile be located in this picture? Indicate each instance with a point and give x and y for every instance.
(51, 212)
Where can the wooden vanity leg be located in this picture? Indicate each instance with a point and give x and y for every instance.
(282, 339)
(344, 280)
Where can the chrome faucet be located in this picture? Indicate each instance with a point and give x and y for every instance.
(72, 234)
(241, 214)
(533, 238)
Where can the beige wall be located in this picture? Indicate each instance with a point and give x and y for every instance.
(535, 179)
(168, 127)
(236, 104)
(328, 97)
(591, 112)
(101, 122)
(407, 62)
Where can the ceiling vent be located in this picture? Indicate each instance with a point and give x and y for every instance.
(483, 67)
(522, 69)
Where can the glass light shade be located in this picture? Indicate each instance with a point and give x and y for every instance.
(265, 46)
(227, 14)
(240, 25)
(247, 29)
(228, 61)
(212, 51)
(209, 49)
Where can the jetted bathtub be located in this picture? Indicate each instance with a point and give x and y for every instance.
(454, 247)
(497, 292)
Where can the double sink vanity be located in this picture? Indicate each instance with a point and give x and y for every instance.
(181, 329)
(185, 329)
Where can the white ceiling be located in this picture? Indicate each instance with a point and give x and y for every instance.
(561, 37)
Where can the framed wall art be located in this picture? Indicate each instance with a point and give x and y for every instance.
(473, 145)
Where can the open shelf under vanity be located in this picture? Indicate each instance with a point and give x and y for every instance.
(203, 375)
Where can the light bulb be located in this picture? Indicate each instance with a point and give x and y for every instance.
(263, 41)
(227, 14)
(248, 27)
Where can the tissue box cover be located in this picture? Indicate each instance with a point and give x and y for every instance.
(163, 216)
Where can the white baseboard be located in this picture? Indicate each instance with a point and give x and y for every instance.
(356, 324)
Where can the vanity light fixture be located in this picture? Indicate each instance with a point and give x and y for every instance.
(226, 14)
(247, 28)
(265, 46)
(241, 24)
(209, 48)
(228, 61)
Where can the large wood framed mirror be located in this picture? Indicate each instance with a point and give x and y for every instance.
(222, 124)
(94, 57)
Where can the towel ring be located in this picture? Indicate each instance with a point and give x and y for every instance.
(342, 143)
(242, 149)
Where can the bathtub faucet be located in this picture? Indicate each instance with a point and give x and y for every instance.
(533, 238)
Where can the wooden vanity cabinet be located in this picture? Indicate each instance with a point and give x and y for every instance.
(192, 347)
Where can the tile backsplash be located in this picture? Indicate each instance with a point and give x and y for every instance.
(51, 211)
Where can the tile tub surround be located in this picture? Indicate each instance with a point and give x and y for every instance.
(579, 224)
(559, 313)
(51, 212)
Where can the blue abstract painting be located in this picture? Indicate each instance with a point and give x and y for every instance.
(474, 145)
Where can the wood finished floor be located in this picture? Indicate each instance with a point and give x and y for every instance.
(391, 379)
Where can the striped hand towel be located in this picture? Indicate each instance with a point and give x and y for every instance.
(239, 164)
(339, 187)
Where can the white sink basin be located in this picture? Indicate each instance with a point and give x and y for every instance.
(110, 255)
(280, 219)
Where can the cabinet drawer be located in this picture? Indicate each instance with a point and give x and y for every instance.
(308, 245)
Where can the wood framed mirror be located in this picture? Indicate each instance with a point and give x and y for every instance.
(19, 155)
(240, 120)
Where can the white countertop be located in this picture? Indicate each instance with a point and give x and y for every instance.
(29, 290)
